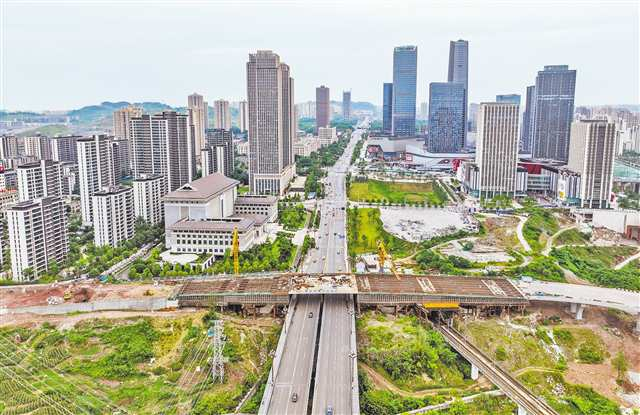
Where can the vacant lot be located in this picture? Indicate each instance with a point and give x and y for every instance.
(429, 193)
(364, 230)
(142, 365)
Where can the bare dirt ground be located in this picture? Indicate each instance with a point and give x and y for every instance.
(617, 334)
(77, 292)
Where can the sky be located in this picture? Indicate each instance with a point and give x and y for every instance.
(60, 55)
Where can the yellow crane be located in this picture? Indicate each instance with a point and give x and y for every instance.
(382, 258)
(235, 247)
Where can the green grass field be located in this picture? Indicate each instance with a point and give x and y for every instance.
(364, 230)
(143, 365)
(397, 192)
(571, 237)
(540, 225)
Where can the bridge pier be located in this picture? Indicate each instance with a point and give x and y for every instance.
(522, 411)
(475, 372)
(579, 312)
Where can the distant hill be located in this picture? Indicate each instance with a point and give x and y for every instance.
(93, 113)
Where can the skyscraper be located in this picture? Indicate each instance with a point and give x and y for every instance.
(497, 149)
(405, 65)
(163, 144)
(198, 110)
(555, 93)
(37, 236)
(271, 123)
(217, 155)
(323, 107)
(96, 169)
(591, 154)
(387, 107)
(508, 98)
(243, 116)
(346, 105)
(121, 119)
(527, 120)
(446, 117)
(459, 70)
(223, 114)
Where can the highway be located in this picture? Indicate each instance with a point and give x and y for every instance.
(294, 372)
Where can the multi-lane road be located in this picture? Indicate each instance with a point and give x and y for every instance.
(332, 383)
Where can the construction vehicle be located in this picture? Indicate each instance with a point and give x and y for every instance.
(235, 247)
(382, 259)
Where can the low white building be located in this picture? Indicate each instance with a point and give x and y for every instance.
(113, 215)
(304, 146)
(200, 216)
(148, 191)
(327, 136)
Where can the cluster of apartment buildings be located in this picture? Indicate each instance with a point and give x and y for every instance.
(160, 156)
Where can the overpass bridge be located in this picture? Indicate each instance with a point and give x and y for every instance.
(367, 289)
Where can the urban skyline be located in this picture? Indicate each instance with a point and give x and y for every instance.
(598, 26)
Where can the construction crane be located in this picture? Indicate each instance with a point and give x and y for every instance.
(382, 258)
(235, 247)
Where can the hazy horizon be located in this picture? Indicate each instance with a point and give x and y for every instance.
(61, 55)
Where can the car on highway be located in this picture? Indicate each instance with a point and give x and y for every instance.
(310, 314)
(329, 410)
(294, 397)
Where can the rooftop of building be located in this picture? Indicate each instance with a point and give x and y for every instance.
(203, 189)
(148, 177)
(242, 223)
(38, 163)
(112, 190)
(29, 204)
(256, 199)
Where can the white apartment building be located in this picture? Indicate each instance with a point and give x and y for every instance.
(199, 119)
(497, 149)
(40, 179)
(201, 216)
(592, 148)
(64, 149)
(113, 216)
(304, 146)
(8, 180)
(122, 119)
(37, 236)
(37, 146)
(96, 170)
(327, 136)
(147, 198)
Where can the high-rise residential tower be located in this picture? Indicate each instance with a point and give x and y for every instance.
(40, 179)
(387, 106)
(243, 116)
(147, 198)
(459, 70)
(591, 154)
(38, 146)
(323, 107)
(497, 149)
(554, 98)
(64, 148)
(222, 114)
(217, 155)
(405, 65)
(346, 105)
(113, 215)
(37, 236)
(199, 113)
(271, 123)
(527, 120)
(164, 144)
(121, 120)
(96, 170)
(446, 117)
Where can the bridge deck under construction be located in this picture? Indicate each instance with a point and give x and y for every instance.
(381, 289)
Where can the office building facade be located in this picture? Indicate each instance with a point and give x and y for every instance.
(497, 149)
(527, 119)
(323, 107)
(271, 123)
(405, 65)
(508, 98)
(554, 100)
(346, 105)
(387, 107)
(458, 71)
(446, 117)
